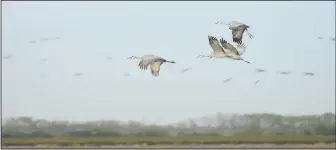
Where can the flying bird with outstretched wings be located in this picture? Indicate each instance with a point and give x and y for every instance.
(260, 70)
(308, 74)
(153, 61)
(219, 47)
(237, 29)
(256, 82)
(227, 80)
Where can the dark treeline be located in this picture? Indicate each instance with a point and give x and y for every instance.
(248, 124)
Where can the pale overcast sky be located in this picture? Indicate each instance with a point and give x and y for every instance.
(285, 39)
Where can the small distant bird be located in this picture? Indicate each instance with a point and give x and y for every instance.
(44, 60)
(44, 39)
(126, 74)
(32, 42)
(185, 70)
(284, 72)
(256, 82)
(260, 70)
(155, 63)
(78, 74)
(55, 38)
(227, 80)
(219, 52)
(109, 58)
(7, 57)
(308, 73)
(48, 39)
(237, 30)
(320, 37)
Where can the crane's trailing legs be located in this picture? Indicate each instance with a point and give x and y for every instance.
(249, 34)
(245, 61)
(173, 62)
(234, 57)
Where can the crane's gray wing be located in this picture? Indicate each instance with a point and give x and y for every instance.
(155, 67)
(241, 49)
(147, 60)
(226, 45)
(237, 34)
(215, 45)
(143, 64)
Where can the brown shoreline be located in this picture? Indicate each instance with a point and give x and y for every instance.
(271, 146)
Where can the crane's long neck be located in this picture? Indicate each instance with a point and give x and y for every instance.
(134, 57)
(202, 56)
(220, 22)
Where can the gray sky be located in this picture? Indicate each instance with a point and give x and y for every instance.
(285, 39)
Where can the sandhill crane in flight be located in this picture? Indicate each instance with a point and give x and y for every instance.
(256, 82)
(32, 42)
(308, 74)
(48, 39)
(237, 30)
(260, 70)
(78, 74)
(219, 52)
(7, 57)
(155, 63)
(284, 72)
(227, 80)
(43, 60)
(109, 58)
(331, 38)
(185, 70)
(126, 74)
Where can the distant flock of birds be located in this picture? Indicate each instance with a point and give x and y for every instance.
(322, 38)
(220, 49)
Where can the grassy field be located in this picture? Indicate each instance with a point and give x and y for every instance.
(215, 140)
